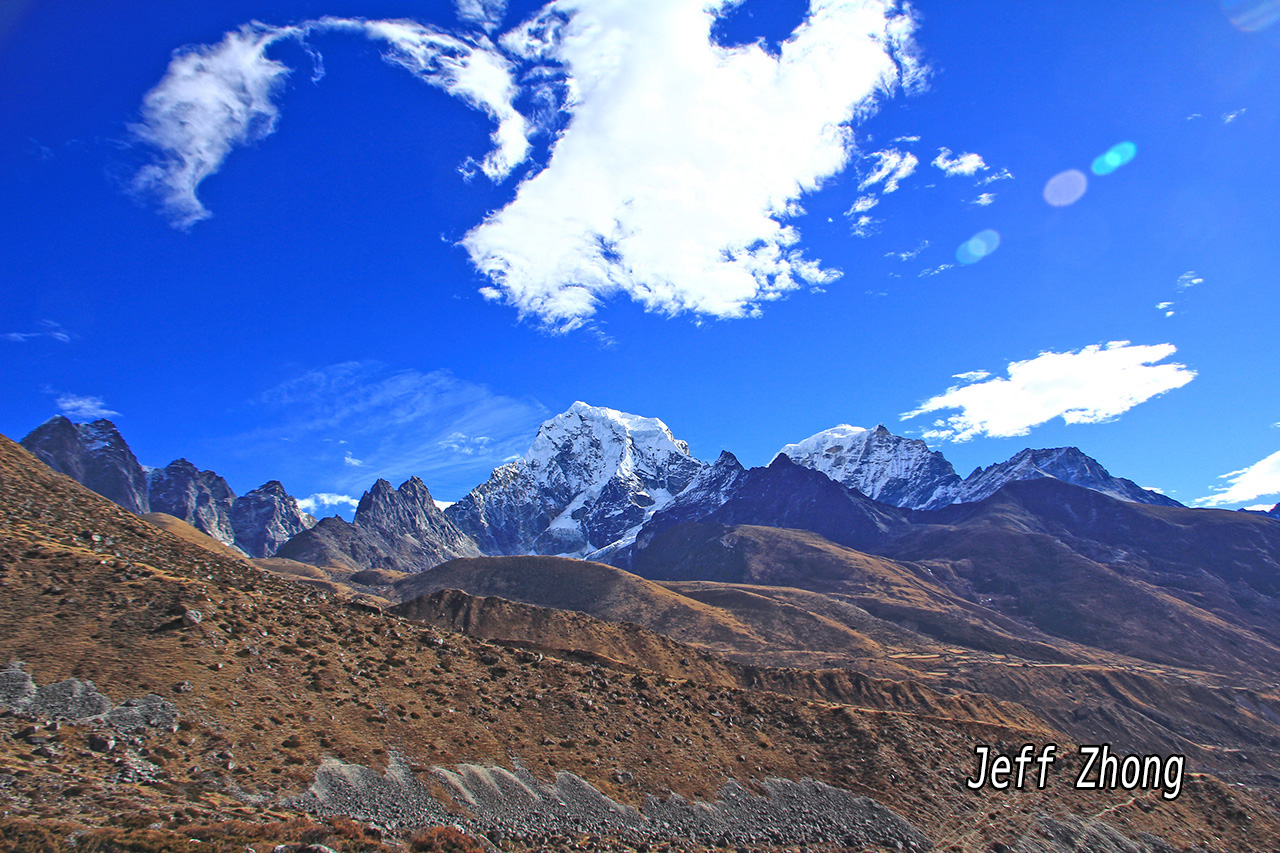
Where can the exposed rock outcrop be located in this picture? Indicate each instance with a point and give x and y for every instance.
(397, 529)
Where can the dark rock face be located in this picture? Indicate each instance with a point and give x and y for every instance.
(267, 517)
(1274, 512)
(200, 498)
(782, 495)
(93, 454)
(397, 529)
(708, 492)
(1067, 464)
(97, 456)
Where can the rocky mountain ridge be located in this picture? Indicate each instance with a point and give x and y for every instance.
(589, 481)
(904, 472)
(399, 530)
(97, 456)
(594, 482)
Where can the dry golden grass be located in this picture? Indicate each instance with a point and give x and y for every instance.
(277, 676)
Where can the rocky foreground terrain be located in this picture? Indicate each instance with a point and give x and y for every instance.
(160, 695)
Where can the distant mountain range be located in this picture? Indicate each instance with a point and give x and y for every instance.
(96, 455)
(596, 483)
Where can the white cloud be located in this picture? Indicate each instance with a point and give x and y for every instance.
(862, 205)
(404, 421)
(908, 255)
(984, 199)
(323, 500)
(348, 459)
(464, 444)
(649, 192)
(1002, 175)
(48, 329)
(484, 13)
(1227, 118)
(966, 164)
(216, 98)
(932, 271)
(683, 159)
(212, 99)
(471, 70)
(82, 407)
(1260, 479)
(1188, 279)
(892, 167)
(1096, 384)
(864, 226)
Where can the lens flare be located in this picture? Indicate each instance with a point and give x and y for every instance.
(1251, 15)
(1116, 157)
(1065, 188)
(978, 246)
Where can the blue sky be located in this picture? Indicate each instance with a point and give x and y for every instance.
(362, 239)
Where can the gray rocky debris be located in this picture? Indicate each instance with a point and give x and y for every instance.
(513, 802)
(16, 688)
(1069, 834)
(71, 699)
(79, 701)
(137, 715)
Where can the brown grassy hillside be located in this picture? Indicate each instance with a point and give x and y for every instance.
(276, 678)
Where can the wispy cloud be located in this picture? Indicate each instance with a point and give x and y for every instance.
(1227, 118)
(216, 98)
(82, 407)
(406, 422)
(892, 167)
(1002, 175)
(465, 445)
(965, 164)
(864, 225)
(212, 99)
(909, 254)
(984, 199)
(862, 204)
(1259, 479)
(649, 191)
(48, 329)
(932, 271)
(1166, 308)
(1188, 279)
(1093, 385)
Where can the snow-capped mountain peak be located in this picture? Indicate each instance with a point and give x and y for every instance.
(883, 466)
(1068, 464)
(591, 475)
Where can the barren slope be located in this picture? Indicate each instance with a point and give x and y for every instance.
(276, 682)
